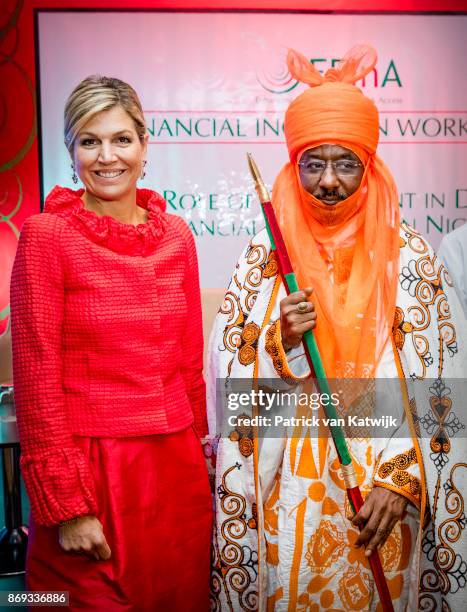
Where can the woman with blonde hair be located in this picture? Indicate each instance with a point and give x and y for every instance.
(110, 399)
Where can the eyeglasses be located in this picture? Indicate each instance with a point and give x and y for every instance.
(342, 167)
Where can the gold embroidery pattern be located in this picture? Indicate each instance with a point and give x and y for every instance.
(424, 281)
(273, 349)
(248, 343)
(391, 550)
(400, 462)
(234, 562)
(396, 468)
(243, 434)
(442, 422)
(400, 328)
(271, 269)
(256, 259)
(355, 588)
(449, 571)
(452, 566)
(414, 239)
(440, 407)
(326, 546)
(240, 298)
(253, 521)
(403, 480)
(231, 308)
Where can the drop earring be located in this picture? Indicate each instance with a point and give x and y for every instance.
(74, 176)
(143, 169)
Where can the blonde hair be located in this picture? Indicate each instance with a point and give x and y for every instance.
(95, 94)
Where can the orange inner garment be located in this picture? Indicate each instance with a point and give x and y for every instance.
(349, 254)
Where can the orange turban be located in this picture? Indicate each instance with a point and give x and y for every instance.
(348, 253)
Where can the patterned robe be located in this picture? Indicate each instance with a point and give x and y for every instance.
(283, 539)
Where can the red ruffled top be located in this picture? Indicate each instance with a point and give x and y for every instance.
(107, 341)
(106, 231)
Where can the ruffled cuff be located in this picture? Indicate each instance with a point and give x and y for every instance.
(201, 424)
(275, 350)
(401, 475)
(59, 485)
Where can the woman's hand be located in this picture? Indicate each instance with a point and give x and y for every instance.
(377, 517)
(297, 316)
(84, 535)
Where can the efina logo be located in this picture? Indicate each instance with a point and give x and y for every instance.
(280, 81)
(276, 80)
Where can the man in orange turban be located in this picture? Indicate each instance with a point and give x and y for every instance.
(381, 306)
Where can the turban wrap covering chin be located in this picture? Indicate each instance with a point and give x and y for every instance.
(348, 252)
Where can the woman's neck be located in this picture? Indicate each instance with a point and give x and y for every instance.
(124, 210)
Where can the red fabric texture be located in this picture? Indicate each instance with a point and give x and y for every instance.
(107, 341)
(155, 506)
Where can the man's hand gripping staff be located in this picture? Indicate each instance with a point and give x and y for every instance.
(319, 374)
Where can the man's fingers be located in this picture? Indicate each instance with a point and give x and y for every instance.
(364, 514)
(295, 326)
(291, 311)
(392, 524)
(293, 316)
(299, 330)
(302, 295)
(382, 532)
(368, 532)
(292, 304)
(388, 531)
(298, 296)
(295, 333)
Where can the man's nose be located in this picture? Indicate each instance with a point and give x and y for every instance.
(328, 179)
(106, 153)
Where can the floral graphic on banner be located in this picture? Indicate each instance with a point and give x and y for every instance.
(17, 134)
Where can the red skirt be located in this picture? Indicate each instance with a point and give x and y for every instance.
(155, 506)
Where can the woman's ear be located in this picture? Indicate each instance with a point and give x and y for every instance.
(144, 143)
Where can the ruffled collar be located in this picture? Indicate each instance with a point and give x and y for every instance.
(106, 231)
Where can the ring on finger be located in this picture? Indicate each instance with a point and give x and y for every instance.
(302, 307)
(383, 532)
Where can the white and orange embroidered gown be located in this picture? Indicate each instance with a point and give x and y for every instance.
(283, 540)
